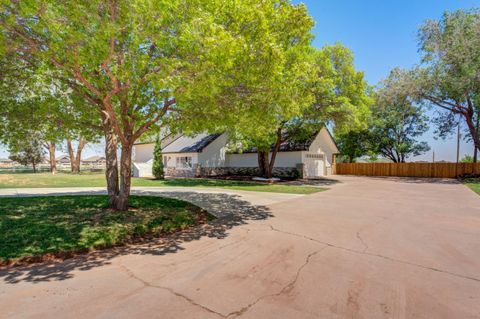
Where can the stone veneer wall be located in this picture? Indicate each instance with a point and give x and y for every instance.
(174, 172)
(282, 172)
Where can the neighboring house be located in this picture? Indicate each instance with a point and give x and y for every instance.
(95, 160)
(206, 155)
(63, 160)
(6, 162)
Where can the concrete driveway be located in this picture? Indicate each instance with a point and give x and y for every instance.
(367, 248)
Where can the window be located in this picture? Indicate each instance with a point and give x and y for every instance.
(165, 161)
(184, 162)
(315, 156)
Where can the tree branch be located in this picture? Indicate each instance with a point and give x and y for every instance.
(166, 105)
(452, 107)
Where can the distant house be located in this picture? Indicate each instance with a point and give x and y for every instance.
(63, 160)
(95, 160)
(207, 155)
(6, 162)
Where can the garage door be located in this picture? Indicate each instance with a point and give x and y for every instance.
(315, 165)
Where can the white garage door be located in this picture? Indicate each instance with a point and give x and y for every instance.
(315, 165)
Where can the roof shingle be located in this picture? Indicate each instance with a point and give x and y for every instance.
(193, 144)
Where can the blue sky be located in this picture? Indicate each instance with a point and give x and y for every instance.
(383, 34)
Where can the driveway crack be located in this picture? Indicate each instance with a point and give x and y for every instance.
(378, 255)
(365, 246)
(287, 288)
(145, 283)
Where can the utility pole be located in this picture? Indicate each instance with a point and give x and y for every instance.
(433, 159)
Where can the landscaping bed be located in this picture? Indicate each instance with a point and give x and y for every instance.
(33, 229)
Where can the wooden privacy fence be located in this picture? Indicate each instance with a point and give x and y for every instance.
(441, 170)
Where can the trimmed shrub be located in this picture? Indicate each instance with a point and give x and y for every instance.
(157, 167)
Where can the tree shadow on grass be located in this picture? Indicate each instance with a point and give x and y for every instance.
(231, 211)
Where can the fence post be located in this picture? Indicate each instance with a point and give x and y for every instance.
(334, 164)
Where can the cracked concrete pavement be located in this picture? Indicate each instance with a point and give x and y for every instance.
(367, 248)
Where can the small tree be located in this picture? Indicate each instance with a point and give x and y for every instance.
(467, 159)
(27, 152)
(353, 144)
(157, 168)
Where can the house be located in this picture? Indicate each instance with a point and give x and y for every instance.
(6, 162)
(95, 160)
(63, 160)
(205, 155)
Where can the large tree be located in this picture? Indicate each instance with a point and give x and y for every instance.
(138, 61)
(331, 91)
(267, 83)
(33, 104)
(282, 93)
(449, 76)
(397, 122)
(22, 103)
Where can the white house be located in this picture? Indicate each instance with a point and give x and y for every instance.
(95, 160)
(206, 155)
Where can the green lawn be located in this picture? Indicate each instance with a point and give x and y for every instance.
(29, 180)
(39, 225)
(473, 184)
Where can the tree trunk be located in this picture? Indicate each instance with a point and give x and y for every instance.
(51, 152)
(475, 148)
(78, 159)
(268, 168)
(75, 158)
(34, 166)
(111, 169)
(71, 155)
(263, 164)
(473, 129)
(275, 150)
(125, 177)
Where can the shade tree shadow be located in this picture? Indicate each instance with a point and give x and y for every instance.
(230, 210)
(321, 181)
(418, 180)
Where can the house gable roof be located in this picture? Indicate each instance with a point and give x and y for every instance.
(330, 136)
(166, 140)
(190, 144)
(94, 158)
